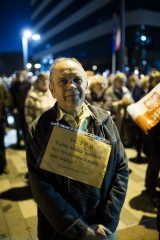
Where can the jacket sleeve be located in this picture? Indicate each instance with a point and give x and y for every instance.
(59, 213)
(116, 181)
(29, 110)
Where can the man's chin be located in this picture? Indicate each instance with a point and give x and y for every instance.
(73, 103)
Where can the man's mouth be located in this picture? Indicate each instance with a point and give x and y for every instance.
(72, 94)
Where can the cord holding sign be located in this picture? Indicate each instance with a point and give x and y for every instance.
(78, 167)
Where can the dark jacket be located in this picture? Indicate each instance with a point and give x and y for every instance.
(19, 92)
(57, 218)
(5, 102)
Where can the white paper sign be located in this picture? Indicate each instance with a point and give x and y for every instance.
(75, 155)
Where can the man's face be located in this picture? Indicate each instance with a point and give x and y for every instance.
(68, 86)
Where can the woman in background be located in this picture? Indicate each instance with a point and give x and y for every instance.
(39, 98)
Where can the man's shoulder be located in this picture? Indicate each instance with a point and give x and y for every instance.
(104, 118)
(99, 112)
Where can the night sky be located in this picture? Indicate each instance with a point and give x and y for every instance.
(14, 18)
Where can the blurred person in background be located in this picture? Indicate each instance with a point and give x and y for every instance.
(89, 74)
(137, 136)
(153, 79)
(110, 79)
(3, 81)
(19, 90)
(118, 97)
(39, 98)
(144, 85)
(152, 150)
(96, 91)
(133, 84)
(5, 102)
(131, 130)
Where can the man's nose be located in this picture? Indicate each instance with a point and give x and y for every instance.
(71, 84)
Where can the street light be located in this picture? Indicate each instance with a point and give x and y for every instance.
(27, 34)
(35, 37)
(28, 65)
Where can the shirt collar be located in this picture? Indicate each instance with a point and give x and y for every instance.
(85, 114)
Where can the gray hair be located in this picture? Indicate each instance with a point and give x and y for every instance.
(61, 59)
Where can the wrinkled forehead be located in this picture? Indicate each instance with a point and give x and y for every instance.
(68, 67)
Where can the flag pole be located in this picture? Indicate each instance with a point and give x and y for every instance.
(113, 62)
(114, 43)
(122, 27)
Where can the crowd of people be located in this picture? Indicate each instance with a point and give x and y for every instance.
(26, 99)
(115, 95)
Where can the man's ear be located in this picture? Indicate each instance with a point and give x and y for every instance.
(51, 88)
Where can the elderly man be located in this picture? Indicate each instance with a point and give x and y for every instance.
(69, 208)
